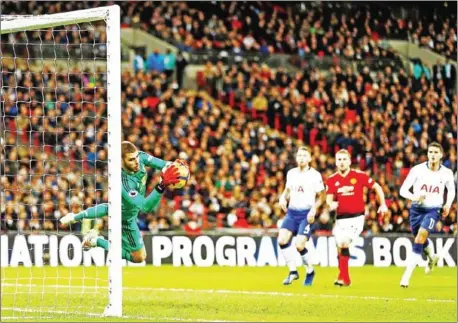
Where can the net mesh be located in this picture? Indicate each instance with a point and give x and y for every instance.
(54, 161)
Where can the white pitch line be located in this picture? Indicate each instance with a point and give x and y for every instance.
(244, 292)
(24, 317)
(28, 310)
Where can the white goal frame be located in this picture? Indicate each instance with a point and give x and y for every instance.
(111, 15)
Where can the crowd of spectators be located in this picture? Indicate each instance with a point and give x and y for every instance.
(321, 28)
(377, 115)
(350, 29)
(238, 165)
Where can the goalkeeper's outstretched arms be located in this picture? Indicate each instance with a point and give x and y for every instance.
(155, 162)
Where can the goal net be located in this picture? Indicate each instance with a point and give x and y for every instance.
(60, 152)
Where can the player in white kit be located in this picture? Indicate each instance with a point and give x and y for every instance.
(302, 185)
(428, 179)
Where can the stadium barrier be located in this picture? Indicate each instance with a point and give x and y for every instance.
(223, 250)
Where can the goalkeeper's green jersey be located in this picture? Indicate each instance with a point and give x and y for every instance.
(134, 187)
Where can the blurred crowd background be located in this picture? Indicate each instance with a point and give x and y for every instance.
(239, 130)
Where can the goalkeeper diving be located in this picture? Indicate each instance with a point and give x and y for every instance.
(134, 177)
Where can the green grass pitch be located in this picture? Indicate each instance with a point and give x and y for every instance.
(228, 294)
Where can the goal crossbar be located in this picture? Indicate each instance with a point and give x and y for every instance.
(14, 23)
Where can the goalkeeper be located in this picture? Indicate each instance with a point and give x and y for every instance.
(134, 178)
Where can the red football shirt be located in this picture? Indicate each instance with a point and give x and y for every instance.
(349, 191)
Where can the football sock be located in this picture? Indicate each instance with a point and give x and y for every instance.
(414, 260)
(428, 249)
(288, 253)
(306, 260)
(343, 264)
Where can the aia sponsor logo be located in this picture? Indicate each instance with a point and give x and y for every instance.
(430, 188)
(300, 189)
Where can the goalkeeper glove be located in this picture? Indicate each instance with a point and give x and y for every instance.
(169, 176)
(68, 218)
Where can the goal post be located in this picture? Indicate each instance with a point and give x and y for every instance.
(111, 16)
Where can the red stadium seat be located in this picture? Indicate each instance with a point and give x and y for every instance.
(313, 134)
(177, 200)
(324, 145)
(243, 108)
(219, 220)
(200, 79)
(277, 122)
(289, 130)
(232, 99)
(300, 132)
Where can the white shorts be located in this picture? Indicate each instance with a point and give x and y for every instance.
(347, 230)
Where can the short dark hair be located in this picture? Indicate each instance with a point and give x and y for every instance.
(437, 145)
(127, 148)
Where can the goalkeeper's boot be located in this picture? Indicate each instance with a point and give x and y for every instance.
(293, 275)
(431, 263)
(90, 239)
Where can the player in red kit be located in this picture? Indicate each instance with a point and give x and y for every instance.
(344, 191)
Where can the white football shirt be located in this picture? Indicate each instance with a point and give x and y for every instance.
(303, 186)
(431, 184)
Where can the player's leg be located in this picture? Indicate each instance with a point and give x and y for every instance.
(139, 255)
(92, 240)
(134, 244)
(432, 258)
(421, 227)
(285, 235)
(346, 231)
(354, 227)
(428, 249)
(343, 254)
(304, 234)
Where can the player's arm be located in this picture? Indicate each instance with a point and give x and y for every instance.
(147, 204)
(319, 200)
(152, 161)
(406, 186)
(155, 162)
(381, 198)
(284, 197)
(450, 185)
(330, 192)
(95, 212)
(332, 205)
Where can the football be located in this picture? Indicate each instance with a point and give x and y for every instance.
(184, 176)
